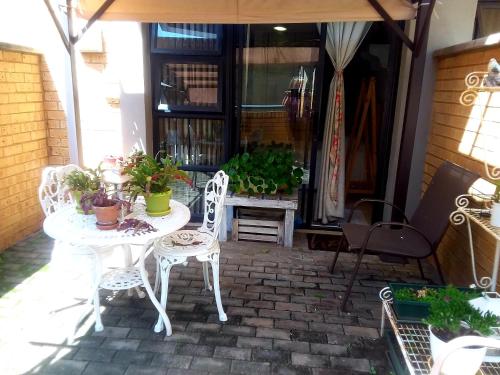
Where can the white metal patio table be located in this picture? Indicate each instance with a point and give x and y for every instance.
(71, 227)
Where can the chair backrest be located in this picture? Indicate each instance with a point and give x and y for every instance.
(52, 193)
(215, 194)
(438, 202)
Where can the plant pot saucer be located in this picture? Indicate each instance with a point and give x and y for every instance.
(161, 213)
(107, 226)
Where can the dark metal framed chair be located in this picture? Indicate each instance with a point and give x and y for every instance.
(415, 238)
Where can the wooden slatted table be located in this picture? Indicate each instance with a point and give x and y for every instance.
(289, 203)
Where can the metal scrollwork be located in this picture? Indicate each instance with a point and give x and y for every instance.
(468, 97)
(475, 79)
(492, 172)
(385, 294)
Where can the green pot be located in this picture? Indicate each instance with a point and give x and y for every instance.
(158, 204)
(77, 195)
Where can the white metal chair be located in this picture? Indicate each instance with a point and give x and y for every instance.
(202, 243)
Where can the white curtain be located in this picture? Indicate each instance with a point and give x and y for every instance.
(342, 41)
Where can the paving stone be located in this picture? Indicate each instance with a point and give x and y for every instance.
(353, 364)
(238, 330)
(244, 294)
(290, 291)
(252, 268)
(203, 327)
(361, 331)
(279, 369)
(232, 353)
(290, 324)
(188, 337)
(121, 344)
(290, 306)
(243, 311)
(260, 289)
(198, 299)
(310, 360)
(272, 356)
(94, 354)
(157, 346)
(293, 346)
(236, 273)
(137, 358)
(325, 327)
(258, 322)
(276, 297)
(263, 275)
(275, 314)
(172, 360)
(307, 317)
(146, 333)
(260, 304)
(211, 364)
(254, 342)
(273, 333)
(195, 350)
(335, 350)
(116, 332)
(105, 369)
(309, 336)
(64, 367)
(174, 371)
(247, 367)
(145, 370)
(277, 283)
(290, 277)
(264, 263)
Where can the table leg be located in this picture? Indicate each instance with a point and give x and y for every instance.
(494, 272)
(289, 217)
(223, 225)
(149, 290)
(97, 274)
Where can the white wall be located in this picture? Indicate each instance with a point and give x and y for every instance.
(452, 23)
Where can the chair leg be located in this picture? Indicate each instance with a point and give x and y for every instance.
(164, 293)
(206, 277)
(438, 266)
(335, 258)
(351, 282)
(214, 262)
(157, 277)
(422, 276)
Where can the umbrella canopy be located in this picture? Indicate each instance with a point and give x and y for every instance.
(246, 11)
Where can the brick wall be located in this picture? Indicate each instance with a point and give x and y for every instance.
(23, 145)
(451, 124)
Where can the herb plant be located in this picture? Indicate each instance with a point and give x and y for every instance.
(100, 198)
(151, 176)
(452, 309)
(86, 180)
(268, 169)
(429, 294)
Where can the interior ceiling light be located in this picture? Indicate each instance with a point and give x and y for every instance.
(280, 28)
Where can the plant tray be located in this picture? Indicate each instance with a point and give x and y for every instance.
(413, 311)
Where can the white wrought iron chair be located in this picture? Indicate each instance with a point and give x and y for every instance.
(53, 195)
(202, 243)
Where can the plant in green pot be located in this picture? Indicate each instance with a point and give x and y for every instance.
(452, 316)
(495, 207)
(80, 182)
(153, 179)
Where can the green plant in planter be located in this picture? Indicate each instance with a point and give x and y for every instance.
(268, 169)
(451, 310)
(86, 180)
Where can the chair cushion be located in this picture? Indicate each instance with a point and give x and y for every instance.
(183, 243)
(402, 241)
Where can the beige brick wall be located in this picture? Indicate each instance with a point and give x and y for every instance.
(23, 145)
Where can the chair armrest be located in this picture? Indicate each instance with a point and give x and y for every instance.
(391, 223)
(370, 200)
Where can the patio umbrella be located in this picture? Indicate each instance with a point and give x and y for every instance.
(246, 11)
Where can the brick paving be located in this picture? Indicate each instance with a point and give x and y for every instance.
(282, 306)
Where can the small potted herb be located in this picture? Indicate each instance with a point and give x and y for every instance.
(106, 209)
(153, 179)
(267, 169)
(80, 182)
(451, 316)
(495, 207)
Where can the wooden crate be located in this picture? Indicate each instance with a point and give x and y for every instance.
(258, 225)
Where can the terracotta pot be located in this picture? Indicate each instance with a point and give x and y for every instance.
(158, 204)
(107, 217)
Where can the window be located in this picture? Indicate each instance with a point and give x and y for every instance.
(186, 39)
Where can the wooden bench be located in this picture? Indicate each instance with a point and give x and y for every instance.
(288, 203)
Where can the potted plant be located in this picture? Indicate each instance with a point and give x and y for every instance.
(452, 316)
(82, 181)
(411, 302)
(152, 179)
(495, 207)
(268, 169)
(106, 209)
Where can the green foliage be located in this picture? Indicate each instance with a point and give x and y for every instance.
(452, 308)
(429, 294)
(151, 176)
(86, 180)
(496, 195)
(268, 169)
